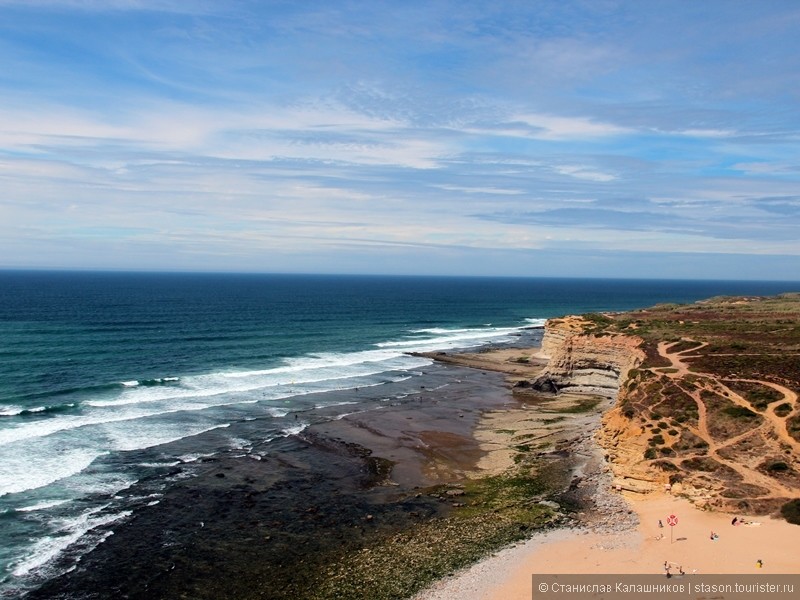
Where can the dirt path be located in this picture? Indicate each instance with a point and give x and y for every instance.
(773, 425)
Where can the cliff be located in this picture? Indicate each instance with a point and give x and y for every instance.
(584, 362)
(706, 397)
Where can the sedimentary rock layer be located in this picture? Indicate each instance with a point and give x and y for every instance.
(582, 362)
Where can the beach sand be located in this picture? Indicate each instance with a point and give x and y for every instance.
(507, 574)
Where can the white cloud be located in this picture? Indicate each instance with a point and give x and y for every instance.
(480, 190)
(767, 168)
(584, 172)
(553, 127)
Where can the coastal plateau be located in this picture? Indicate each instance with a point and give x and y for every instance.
(708, 397)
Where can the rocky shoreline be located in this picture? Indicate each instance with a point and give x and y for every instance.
(377, 504)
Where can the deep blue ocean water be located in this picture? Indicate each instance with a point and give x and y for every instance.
(108, 379)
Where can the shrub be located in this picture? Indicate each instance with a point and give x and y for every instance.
(650, 454)
(665, 465)
(791, 511)
(739, 412)
(778, 466)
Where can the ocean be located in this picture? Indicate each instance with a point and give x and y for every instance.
(112, 385)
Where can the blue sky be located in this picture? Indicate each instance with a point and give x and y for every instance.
(594, 138)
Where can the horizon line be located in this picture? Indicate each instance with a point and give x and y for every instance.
(89, 270)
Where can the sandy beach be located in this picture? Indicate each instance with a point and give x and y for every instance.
(507, 574)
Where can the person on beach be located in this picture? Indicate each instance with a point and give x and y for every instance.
(660, 524)
(735, 520)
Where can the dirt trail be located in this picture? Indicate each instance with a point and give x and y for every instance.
(773, 425)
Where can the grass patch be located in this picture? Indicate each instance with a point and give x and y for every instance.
(552, 420)
(582, 406)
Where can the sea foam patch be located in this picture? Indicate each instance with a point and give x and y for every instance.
(67, 533)
(21, 471)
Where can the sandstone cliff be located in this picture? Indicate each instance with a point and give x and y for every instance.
(583, 362)
(706, 398)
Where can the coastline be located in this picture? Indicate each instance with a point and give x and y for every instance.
(420, 491)
(318, 506)
(704, 541)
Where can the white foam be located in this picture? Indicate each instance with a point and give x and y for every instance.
(442, 330)
(10, 411)
(42, 505)
(536, 322)
(133, 383)
(452, 338)
(294, 430)
(190, 458)
(278, 381)
(140, 434)
(343, 403)
(27, 471)
(49, 547)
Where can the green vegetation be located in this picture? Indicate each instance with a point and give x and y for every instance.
(552, 420)
(582, 406)
(496, 511)
(791, 511)
(756, 394)
(778, 466)
(736, 348)
(740, 412)
(597, 323)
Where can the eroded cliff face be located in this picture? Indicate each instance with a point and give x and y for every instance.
(582, 362)
(721, 427)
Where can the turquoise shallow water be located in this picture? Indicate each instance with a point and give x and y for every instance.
(107, 380)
